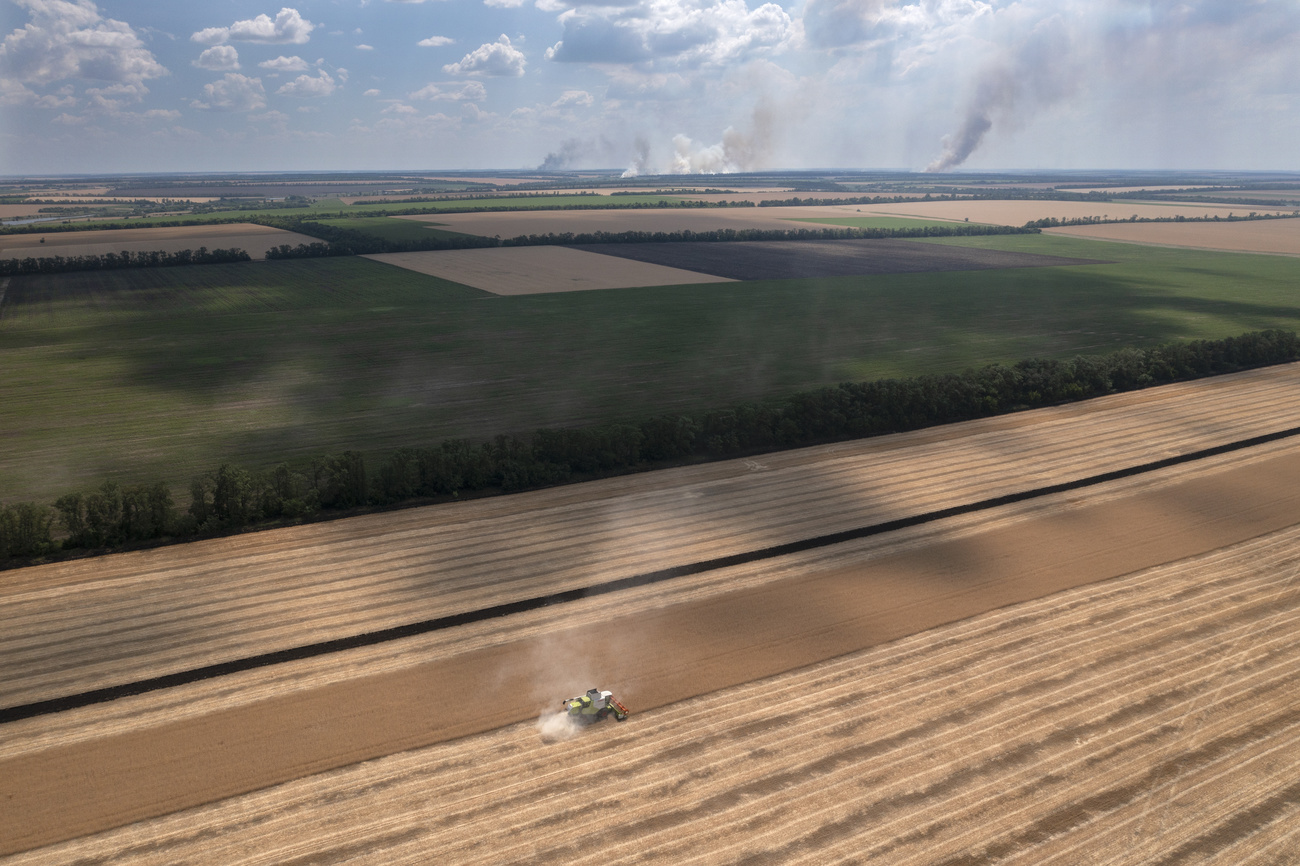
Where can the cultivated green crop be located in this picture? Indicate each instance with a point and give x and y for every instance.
(159, 374)
(393, 229)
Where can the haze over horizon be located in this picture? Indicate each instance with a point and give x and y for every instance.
(654, 86)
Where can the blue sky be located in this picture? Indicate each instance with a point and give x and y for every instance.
(648, 85)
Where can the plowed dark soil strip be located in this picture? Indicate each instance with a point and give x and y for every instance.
(654, 658)
(306, 651)
(780, 260)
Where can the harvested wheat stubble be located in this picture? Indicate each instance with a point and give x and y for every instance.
(252, 239)
(777, 260)
(541, 270)
(1278, 236)
(1019, 212)
(1145, 719)
(654, 658)
(75, 626)
(17, 211)
(929, 466)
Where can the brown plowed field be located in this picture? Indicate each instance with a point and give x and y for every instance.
(252, 239)
(1147, 719)
(82, 625)
(1280, 237)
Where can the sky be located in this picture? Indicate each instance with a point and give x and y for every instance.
(648, 86)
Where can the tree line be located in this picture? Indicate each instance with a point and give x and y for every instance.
(118, 261)
(230, 497)
(340, 241)
(1053, 222)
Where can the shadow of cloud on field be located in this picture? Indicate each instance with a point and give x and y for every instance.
(331, 358)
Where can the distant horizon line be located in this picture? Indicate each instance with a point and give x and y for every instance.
(615, 172)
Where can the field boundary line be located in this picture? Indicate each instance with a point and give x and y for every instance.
(365, 639)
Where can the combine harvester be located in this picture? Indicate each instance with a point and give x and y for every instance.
(594, 706)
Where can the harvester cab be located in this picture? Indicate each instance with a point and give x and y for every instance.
(594, 706)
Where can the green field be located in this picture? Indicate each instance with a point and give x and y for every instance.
(393, 229)
(160, 374)
(878, 222)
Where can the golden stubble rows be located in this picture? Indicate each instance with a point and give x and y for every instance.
(1280, 236)
(1122, 722)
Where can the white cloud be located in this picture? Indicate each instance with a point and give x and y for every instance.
(400, 108)
(276, 122)
(286, 64)
(234, 92)
(498, 58)
(113, 97)
(70, 39)
(435, 42)
(504, 4)
(69, 119)
(573, 97)
(153, 114)
(470, 91)
(836, 23)
(211, 35)
(219, 58)
(472, 113)
(371, 92)
(365, 47)
(272, 116)
(309, 87)
(288, 27)
(62, 98)
(13, 93)
(690, 32)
